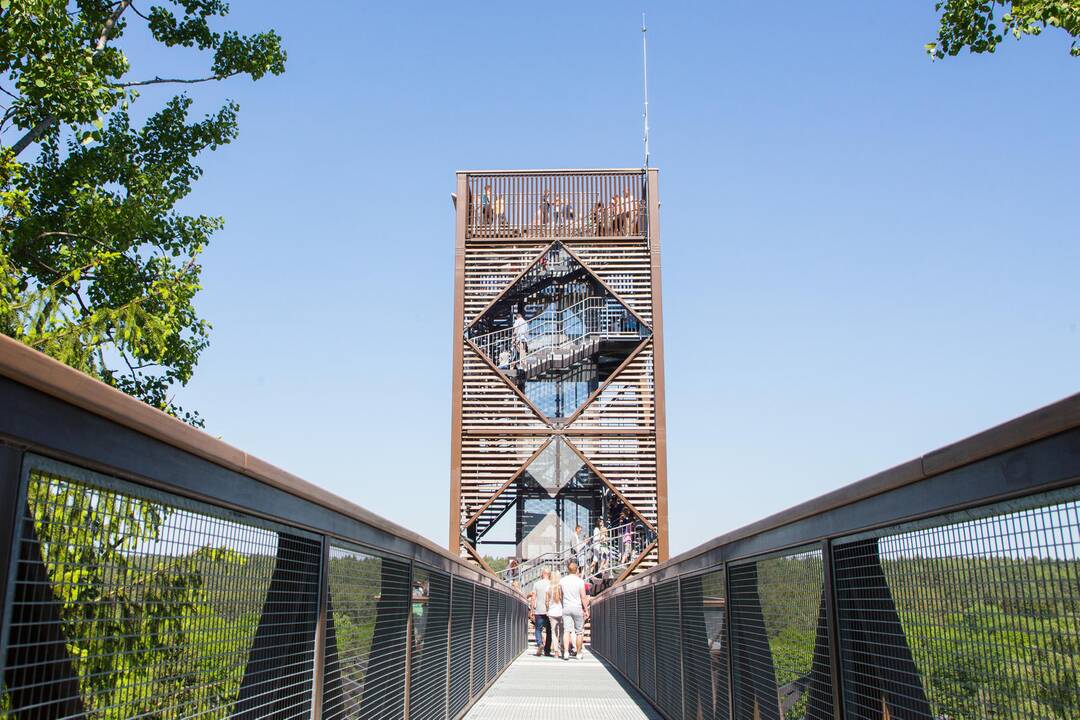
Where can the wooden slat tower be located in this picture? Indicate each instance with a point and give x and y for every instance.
(512, 228)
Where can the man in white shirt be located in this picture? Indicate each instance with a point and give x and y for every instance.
(521, 338)
(575, 609)
(538, 602)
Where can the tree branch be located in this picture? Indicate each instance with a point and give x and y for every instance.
(184, 81)
(35, 133)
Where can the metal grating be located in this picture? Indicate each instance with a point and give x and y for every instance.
(705, 691)
(461, 645)
(976, 618)
(129, 602)
(618, 626)
(631, 638)
(501, 635)
(367, 620)
(647, 644)
(779, 638)
(480, 644)
(430, 634)
(668, 652)
(494, 635)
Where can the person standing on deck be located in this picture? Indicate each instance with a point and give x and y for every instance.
(538, 601)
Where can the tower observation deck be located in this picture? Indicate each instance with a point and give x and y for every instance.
(558, 402)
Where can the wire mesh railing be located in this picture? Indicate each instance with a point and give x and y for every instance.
(147, 579)
(951, 591)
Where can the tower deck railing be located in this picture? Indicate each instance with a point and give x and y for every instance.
(150, 570)
(556, 204)
(947, 587)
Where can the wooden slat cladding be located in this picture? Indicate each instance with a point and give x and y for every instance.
(488, 461)
(489, 403)
(629, 463)
(490, 269)
(505, 230)
(624, 267)
(628, 401)
(601, 204)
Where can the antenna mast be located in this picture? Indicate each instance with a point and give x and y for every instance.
(645, 76)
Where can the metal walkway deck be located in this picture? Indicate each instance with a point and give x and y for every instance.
(540, 688)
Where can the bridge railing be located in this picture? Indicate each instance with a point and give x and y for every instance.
(947, 587)
(152, 571)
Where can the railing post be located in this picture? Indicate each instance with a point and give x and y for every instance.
(655, 642)
(728, 635)
(449, 646)
(408, 635)
(833, 628)
(10, 479)
(320, 632)
(472, 640)
(682, 649)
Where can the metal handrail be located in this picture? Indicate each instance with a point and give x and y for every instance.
(590, 550)
(868, 600)
(275, 594)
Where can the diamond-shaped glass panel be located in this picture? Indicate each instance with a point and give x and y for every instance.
(555, 467)
(557, 333)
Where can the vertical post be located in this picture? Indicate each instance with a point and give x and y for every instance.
(449, 647)
(728, 635)
(682, 649)
(656, 669)
(832, 621)
(10, 479)
(472, 637)
(460, 224)
(408, 635)
(320, 632)
(652, 198)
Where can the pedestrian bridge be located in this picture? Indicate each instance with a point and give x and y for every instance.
(155, 572)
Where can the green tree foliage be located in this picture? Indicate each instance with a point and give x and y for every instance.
(981, 25)
(497, 564)
(98, 267)
(992, 638)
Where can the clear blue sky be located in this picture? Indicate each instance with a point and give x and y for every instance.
(866, 255)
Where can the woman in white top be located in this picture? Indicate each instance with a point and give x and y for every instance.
(555, 612)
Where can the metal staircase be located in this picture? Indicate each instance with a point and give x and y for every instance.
(604, 559)
(560, 339)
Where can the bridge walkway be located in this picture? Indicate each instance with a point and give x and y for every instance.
(541, 688)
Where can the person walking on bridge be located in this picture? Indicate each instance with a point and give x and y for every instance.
(538, 601)
(575, 605)
(555, 612)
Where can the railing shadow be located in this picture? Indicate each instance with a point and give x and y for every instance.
(632, 692)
